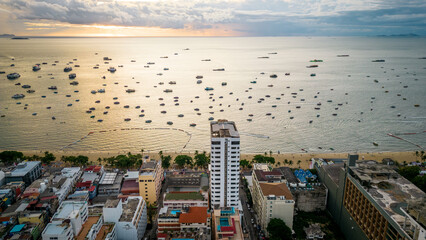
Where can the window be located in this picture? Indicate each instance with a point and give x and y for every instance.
(215, 143)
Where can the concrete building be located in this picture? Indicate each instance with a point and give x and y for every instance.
(371, 201)
(226, 224)
(273, 200)
(2, 178)
(110, 184)
(186, 182)
(224, 164)
(67, 221)
(192, 222)
(151, 176)
(180, 200)
(130, 217)
(26, 172)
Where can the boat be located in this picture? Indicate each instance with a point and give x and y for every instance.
(219, 69)
(52, 88)
(67, 69)
(375, 144)
(74, 83)
(343, 55)
(16, 96)
(112, 69)
(72, 76)
(211, 118)
(180, 115)
(313, 74)
(36, 67)
(26, 86)
(208, 88)
(12, 76)
(130, 90)
(378, 60)
(93, 91)
(167, 90)
(169, 123)
(199, 81)
(30, 91)
(199, 77)
(102, 90)
(316, 60)
(312, 66)
(192, 125)
(224, 83)
(127, 119)
(107, 59)
(148, 121)
(273, 76)
(253, 82)
(172, 82)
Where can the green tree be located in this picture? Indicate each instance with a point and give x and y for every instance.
(182, 160)
(201, 160)
(244, 163)
(286, 161)
(290, 162)
(9, 157)
(298, 163)
(409, 172)
(48, 158)
(420, 182)
(165, 162)
(263, 159)
(278, 230)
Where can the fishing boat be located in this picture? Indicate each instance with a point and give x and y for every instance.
(130, 90)
(112, 69)
(192, 124)
(208, 88)
(273, 76)
(52, 88)
(12, 76)
(219, 69)
(17, 96)
(72, 76)
(167, 90)
(36, 67)
(67, 69)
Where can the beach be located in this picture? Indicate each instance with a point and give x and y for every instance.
(295, 157)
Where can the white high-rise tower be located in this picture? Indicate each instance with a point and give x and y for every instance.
(224, 164)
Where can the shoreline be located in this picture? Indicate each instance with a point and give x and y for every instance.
(408, 156)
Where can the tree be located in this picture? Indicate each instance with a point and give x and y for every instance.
(286, 161)
(9, 157)
(290, 162)
(165, 162)
(409, 172)
(278, 230)
(48, 158)
(201, 160)
(244, 163)
(182, 160)
(263, 159)
(298, 163)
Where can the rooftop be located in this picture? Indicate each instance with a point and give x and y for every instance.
(149, 165)
(223, 128)
(194, 215)
(56, 228)
(105, 229)
(91, 220)
(108, 178)
(89, 176)
(184, 196)
(68, 209)
(23, 168)
(184, 180)
(129, 209)
(268, 176)
(112, 203)
(333, 171)
(277, 189)
(288, 175)
(388, 189)
(130, 185)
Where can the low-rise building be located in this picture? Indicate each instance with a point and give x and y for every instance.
(130, 217)
(180, 200)
(226, 224)
(151, 175)
(26, 172)
(67, 221)
(110, 184)
(314, 232)
(186, 181)
(272, 200)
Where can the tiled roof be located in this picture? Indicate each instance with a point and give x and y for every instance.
(194, 215)
(277, 189)
(266, 176)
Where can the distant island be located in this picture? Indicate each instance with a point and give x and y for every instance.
(400, 35)
(20, 38)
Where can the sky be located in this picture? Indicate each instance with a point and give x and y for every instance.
(212, 17)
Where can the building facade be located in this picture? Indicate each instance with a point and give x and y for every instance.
(224, 164)
(226, 224)
(151, 176)
(26, 172)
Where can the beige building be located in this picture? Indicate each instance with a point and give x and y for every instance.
(151, 176)
(272, 200)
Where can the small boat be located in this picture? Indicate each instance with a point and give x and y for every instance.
(52, 88)
(343, 55)
(141, 115)
(219, 69)
(100, 120)
(253, 82)
(130, 90)
(150, 63)
(116, 103)
(12, 76)
(180, 115)
(313, 74)
(206, 60)
(310, 121)
(74, 83)
(167, 90)
(270, 85)
(249, 119)
(112, 69)
(30, 91)
(102, 90)
(199, 81)
(192, 125)
(72, 76)
(378, 60)
(17, 96)
(208, 88)
(67, 69)
(34, 114)
(67, 95)
(211, 118)
(375, 144)
(53, 118)
(107, 59)
(69, 104)
(169, 123)
(287, 74)
(36, 67)
(93, 91)
(316, 60)
(416, 105)
(148, 121)
(126, 106)
(312, 66)
(273, 76)
(127, 119)
(163, 112)
(224, 83)
(106, 112)
(172, 82)
(26, 86)
(199, 77)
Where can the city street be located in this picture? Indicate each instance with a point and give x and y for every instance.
(248, 225)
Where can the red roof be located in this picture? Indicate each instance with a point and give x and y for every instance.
(4, 219)
(194, 215)
(130, 186)
(93, 168)
(48, 198)
(85, 184)
(92, 188)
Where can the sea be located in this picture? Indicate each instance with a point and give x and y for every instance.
(344, 104)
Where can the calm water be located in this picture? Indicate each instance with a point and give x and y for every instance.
(351, 78)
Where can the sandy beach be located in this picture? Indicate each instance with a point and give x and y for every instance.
(295, 157)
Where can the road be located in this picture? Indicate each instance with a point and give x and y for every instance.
(253, 234)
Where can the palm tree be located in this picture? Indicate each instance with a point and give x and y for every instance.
(290, 162)
(270, 153)
(279, 164)
(286, 161)
(298, 163)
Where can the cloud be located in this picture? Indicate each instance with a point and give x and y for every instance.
(251, 17)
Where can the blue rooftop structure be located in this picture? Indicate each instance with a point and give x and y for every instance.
(17, 228)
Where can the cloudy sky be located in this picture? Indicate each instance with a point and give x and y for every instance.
(212, 17)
